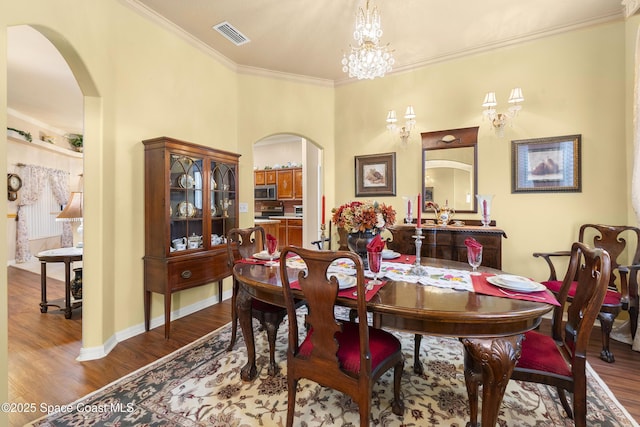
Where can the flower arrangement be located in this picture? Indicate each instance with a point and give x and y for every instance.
(361, 216)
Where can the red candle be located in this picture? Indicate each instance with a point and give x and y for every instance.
(323, 209)
(484, 207)
(419, 212)
(408, 207)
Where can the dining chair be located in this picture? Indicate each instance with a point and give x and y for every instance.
(343, 355)
(243, 243)
(559, 360)
(616, 240)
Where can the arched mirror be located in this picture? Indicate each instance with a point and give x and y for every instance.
(450, 168)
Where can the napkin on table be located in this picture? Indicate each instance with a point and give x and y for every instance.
(376, 244)
(473, 246)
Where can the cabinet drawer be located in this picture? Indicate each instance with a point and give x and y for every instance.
(194, 272)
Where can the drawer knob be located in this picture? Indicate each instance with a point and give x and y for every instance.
(186, 274)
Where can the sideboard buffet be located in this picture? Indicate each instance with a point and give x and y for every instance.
(447, 242)
(190, 205)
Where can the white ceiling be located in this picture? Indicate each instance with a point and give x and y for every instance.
(305, 38)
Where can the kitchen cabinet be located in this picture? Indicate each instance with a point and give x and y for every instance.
(271, 226)
(290, 232)
(264, 177)
(289, 182)
(297, 184)
(190, 204)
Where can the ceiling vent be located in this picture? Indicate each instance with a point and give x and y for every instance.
(231, 33)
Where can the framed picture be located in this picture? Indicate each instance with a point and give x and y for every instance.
(546, 165)
(428, 194)
(376, 175)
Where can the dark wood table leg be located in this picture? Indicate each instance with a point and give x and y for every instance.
(43, 287)
(492, 360)
(67, 289)
(243, 310)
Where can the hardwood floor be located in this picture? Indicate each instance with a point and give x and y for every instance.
(43, 348)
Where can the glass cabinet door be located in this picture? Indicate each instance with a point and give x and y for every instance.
(186, 203)
(223, 200)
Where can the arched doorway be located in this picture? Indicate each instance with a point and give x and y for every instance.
(283, 150)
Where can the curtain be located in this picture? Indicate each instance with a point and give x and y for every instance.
(34, 179)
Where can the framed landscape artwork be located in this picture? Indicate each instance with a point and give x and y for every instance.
(546, 165)
(376, 175)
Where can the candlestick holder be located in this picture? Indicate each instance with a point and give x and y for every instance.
(418, 269)
(323, 236)
(408, 219)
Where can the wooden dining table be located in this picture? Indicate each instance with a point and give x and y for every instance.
(490, 328)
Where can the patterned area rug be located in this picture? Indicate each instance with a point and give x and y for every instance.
(200, 385)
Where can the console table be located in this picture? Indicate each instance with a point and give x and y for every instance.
(67, 256)
(447, 242)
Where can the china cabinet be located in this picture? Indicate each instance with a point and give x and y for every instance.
(190, 204)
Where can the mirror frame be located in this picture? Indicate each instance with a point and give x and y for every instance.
(452, 138)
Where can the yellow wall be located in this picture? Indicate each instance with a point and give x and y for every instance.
(573, 84)
(142, 82)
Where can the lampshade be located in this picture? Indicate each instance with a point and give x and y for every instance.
(516, 95)
(490, 100)
(391, 116)
(73, 210)
(410, 113)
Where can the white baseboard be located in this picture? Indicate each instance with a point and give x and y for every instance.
(99, 352)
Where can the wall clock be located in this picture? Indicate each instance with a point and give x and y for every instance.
(14, 183)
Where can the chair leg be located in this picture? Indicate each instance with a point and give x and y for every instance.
(397, 407)
(234, 315)
(364, 408)
(417, 365)
(633, 320)
(606, 323)
(565, 403)
(292, 385)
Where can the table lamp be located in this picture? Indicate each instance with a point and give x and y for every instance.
(73, 212)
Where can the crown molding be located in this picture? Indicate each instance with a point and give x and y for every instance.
(630, 7)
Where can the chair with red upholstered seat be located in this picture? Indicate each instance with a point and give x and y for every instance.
(243, 243)
(343, 355)
(617, 241)
(560, 360)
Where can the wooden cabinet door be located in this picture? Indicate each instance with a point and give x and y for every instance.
(259, 177)
(285, 184)
(282, 234)
(297, 184)
(294, 232)
(270, 177)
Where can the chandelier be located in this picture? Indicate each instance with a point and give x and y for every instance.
(367, 59)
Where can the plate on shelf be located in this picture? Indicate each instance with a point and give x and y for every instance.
(185, 181)
(186, 209)
(214, 184)
(389, 254)
(344, 281)
(525, 286)
(264, 256)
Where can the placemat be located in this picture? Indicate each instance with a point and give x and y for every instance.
(481, 286)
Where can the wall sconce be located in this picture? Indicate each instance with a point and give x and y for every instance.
(410, 122)
(499, 120)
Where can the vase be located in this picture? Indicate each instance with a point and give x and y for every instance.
(76, 284)
(358, 242)
(484, 200)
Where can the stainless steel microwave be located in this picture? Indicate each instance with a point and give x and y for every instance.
(265, 192)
